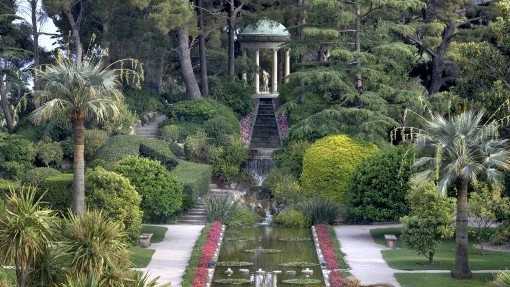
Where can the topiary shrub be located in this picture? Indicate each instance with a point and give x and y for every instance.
(36, 176)
(160, 151)
(292, 218)
(118, 147)
(161, 193)
(235, 94)
(199, 111)
(94, 139)
(58, 192)
(219, 129)
(195, 179)
(379, 187)
(113, 194)
(50, 153)
(329, 163)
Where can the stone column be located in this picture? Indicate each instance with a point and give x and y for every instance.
(287, 65)
(245, 76)
(257, 73)
(275, 71)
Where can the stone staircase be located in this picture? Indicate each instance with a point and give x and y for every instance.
(151, 129)
(265, 131)
(194, 216)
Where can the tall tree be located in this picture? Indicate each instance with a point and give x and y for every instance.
(77, 91)
(204, 80)
(466, 149)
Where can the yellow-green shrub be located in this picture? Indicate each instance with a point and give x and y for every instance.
(329, 163)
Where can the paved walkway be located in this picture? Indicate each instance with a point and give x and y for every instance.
(364, 255)
(172, 254)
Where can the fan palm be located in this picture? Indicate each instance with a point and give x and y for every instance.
(26, 230)
(465, 150)
(78, 92)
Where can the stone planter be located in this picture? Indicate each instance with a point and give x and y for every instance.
(144, 240)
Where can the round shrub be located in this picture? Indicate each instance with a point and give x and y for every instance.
(116, 197)
(50, 153)
(161, 193)
(13, 169)
(220, 128)
(17, 149)
(379, 187)
(329, 163)
(37, 176)
(199, 111)
(58, 191)
(292, 218)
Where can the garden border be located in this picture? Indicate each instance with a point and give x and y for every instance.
(327, 257)
(207, 262)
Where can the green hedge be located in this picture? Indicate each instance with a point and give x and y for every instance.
(329, 163)
(118, 147)
(36, 176)
(195, 178)
(199, 111)
(379, 187)
(58, 191)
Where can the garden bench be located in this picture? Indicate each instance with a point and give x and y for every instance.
(145, 240)
(391, 240)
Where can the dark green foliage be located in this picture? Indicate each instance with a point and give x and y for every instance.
(199, 111)
(379, 187)
(36, 176)
(116, 198)
(13, 169)
(219, 129)
(220, 208)
(226, 160)
(17, 149)
(58, 192)
(94, 139)
(234, 94)
(143, 101)
(161, 193)
(160, 151)
(195, 179)
(291, 157)
(178, 132)
(50, 153)
(319, 211)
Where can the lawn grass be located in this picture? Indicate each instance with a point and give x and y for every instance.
(189, 273)
(442, 280)
(158, 232)
(404, 258)
(140, 257)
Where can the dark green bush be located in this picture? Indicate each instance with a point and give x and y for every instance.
(160, 151)
(196, 147)
(292, 218)
(161, 193)
(319, 211)
(379, 187)
(291, 157)
(17, 149)
(50, 153)
(226, 160)
(143, 101)
(58, 192)
(94, 139)
(199, 111)
(178, 132)
(219, 129)
(195, 178)
(13, 169)
(116, 198)
(234, 94)
(37, 176)
(242, 216)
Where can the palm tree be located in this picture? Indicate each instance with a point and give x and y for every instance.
(465, 149)
(77, 92)
(26, 230)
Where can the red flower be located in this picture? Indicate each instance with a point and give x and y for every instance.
(328, 251)
(208, 250)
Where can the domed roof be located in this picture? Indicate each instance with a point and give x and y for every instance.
(265, 30)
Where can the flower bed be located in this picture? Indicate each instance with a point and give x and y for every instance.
(283, 125)
(210, 251)
(246, 128)
(327, 255)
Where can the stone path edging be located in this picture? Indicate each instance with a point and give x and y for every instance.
(216, 255)
(325, 271)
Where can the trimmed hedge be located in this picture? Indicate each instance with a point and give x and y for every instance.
(379, 187)
(161, 192)
(117, 198)
(199, 111)
(329, 163)
(118, 147)
(58, 191)
(37, 176)
(195, 178)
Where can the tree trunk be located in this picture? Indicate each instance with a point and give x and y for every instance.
(231, 40)
(79, 163)
(4, 102)
(35, 31)
(204, 80)
(183, 50)
(359, 78)
(75, 32)
(462, 270)
(438, 60)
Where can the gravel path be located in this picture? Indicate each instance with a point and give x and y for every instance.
(172, 254)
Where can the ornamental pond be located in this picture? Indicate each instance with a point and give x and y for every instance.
(288, 251)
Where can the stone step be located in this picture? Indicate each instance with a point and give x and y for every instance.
(191, 222)
(189, 216)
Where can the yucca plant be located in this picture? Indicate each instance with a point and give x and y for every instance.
(26, 231)
(89, 280)
(78, 91)
(95, 244)
(464, 150)
(319, 211)
(503, 279)
(220, 208)
(143, 280)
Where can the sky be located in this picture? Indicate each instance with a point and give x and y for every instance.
(46, 24)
